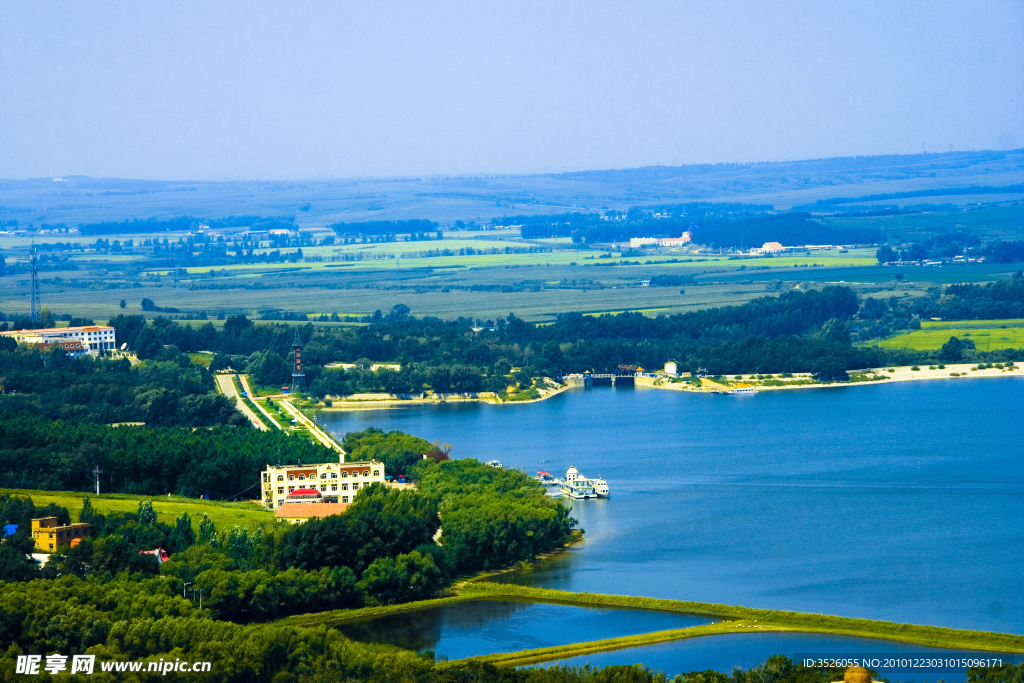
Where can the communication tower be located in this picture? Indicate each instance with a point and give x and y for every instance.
(298, 375)
(33, 313)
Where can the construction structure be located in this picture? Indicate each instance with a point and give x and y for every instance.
(298, 374)
(332, 482)
(49, 534)
(93, 339)
(33, 265)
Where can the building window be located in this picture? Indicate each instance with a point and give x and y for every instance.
(344, 475)
(323, 475)
(334, 487)
(344, 487)
(290, 489)
(376, 473)
(334, 475)
(344, 499)
(264, 476)
(302, 477)
(355, 487)
(291, 477)
(280, 489)
(280, 477)
(366, 473)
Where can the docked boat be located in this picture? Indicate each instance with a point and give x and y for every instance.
(601, 488)
(546, 478)
(743, 390)
(575, 485)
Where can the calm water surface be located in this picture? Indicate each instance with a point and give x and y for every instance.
(901, 501)
(747, 650)
(469, 629)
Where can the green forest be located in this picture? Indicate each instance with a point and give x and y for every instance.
(797, 331)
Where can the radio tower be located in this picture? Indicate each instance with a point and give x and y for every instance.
(298, 376)
(33, 313)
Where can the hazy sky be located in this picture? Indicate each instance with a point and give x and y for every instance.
(255, 90)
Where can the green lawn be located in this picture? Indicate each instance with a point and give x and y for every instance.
(167, 508)
(985, 339)
(962, 324)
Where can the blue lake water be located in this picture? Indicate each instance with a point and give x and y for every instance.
(469, 629)
(747, 650)
(901, 501)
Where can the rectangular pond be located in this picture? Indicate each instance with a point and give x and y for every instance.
(748, 650)
(480, 627)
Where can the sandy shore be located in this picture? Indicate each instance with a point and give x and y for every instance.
(369, 402)
(797, 381)
(957, 371)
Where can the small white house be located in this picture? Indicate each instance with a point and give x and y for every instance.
(671, 369)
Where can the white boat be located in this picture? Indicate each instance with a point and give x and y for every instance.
(601, 488)
(744, 390)
(575, 485)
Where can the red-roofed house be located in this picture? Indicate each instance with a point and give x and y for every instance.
(297, 513)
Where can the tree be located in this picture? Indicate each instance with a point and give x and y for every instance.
(148, 305)
(147, 345)
(123, 303)
(146, 514)
(268, 368)
(953, 350)
(885, 254)
(183, 536)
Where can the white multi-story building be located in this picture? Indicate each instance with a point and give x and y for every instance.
(95, 339)
(336, 482)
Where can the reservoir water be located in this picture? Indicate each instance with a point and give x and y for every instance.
(900, 501)
(480, 627)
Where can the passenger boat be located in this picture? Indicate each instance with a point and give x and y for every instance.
(575, 485)
(601, 488)
(743, 390)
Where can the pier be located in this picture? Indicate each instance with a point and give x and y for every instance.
(597, 379)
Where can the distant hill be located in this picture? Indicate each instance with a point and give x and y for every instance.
(857, 181)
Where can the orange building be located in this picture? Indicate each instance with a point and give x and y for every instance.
(49, 535)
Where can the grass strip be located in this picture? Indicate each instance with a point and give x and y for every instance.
(548, 654)
(340, 616)
(929, 636)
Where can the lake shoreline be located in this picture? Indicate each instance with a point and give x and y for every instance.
(900, 374)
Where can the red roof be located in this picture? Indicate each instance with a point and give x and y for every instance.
(307, 510)
(304, 492)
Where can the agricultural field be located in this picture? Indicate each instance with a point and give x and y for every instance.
(167, 508)
(984, 338)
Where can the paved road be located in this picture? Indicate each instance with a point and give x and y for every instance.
(319, 434)
(227, 387)
(245, 387)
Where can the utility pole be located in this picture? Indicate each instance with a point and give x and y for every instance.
(96, 472)
(33, 314)
(185, 587)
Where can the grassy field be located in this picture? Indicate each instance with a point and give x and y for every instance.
(167, 508)
(963, 324)
(985, 339)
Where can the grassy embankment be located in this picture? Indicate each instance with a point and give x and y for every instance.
(734, 620)
(167, 508)
(739, 620)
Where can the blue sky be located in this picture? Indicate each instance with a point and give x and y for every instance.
(257, 90)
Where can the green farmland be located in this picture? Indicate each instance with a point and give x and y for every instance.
(167, 508)
(984, 338)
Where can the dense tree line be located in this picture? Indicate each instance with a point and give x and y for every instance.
(944, 246)
(384, 227)
(710, 225)
(167, 390)
(1005, 252)
(39, 453)
(770, 334)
